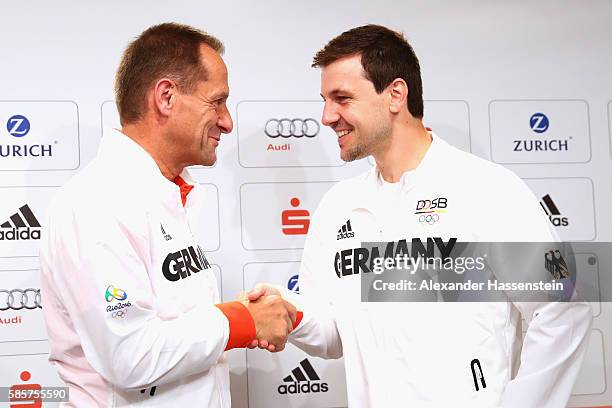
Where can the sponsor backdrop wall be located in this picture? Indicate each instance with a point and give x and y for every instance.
(524, 84)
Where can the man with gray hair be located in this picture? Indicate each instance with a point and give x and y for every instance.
(130, 300)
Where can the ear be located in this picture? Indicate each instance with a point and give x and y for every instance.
(398, 94)
(164, 96)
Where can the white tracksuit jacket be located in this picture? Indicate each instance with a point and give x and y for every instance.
(419, 354)
(128, 293)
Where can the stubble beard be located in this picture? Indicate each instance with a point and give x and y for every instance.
(369, 145)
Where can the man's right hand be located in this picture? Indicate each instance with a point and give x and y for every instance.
(274, 318)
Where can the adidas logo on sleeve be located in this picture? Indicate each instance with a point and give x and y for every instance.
(346, 231)
(302, 380)
(167, 237)
(553, 213)
(23, 225)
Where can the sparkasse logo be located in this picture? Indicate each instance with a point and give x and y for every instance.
(302, 380)
(21, 226)
(296, 221)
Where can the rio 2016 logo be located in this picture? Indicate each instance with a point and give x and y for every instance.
(118, 310)
(114, 293)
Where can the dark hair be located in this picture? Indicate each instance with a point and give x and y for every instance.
(165, 50)
(385, 56)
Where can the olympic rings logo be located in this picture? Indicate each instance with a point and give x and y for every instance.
(292, 127)
(17, 299)
(115, 293)
(119, 313)
(431, 219)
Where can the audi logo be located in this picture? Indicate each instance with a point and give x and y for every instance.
(292, 127)
(17, 299)
(429, 218)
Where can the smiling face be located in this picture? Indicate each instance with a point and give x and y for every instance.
(359, 116)
(202, 116)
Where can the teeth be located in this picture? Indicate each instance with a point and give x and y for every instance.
(343, 133)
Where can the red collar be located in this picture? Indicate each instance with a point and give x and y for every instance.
(185, 188)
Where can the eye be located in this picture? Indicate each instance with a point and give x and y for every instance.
(342, 98)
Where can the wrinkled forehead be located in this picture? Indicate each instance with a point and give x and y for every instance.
(216, 83)
(212, 61)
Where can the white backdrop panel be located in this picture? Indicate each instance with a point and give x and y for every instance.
(493, 72)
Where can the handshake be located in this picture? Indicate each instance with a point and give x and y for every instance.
(274, 317)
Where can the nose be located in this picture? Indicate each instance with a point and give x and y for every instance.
(330, 116)
(225, 122)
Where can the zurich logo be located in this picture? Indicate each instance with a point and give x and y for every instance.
(539, 122)
(293, 284)
(18, 125)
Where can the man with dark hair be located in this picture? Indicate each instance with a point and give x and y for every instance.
(420, 354)
(130, 300)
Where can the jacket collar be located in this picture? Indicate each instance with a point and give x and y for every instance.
(124, 157)
(411, 178)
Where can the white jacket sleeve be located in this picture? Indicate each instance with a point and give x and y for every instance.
(83, 255)
(552, 354)
(558, 332)
(317, 333)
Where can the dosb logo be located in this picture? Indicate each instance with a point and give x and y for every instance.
(539, 122)
(18, 125)
(430, 205)
(428, 209)
(23, 225)
(303, 381)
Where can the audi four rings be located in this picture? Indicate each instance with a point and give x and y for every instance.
(17, 299)
(292, 127)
